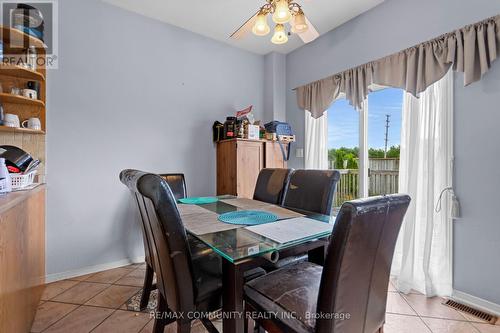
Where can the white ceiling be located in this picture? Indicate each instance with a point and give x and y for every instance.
(217, 19)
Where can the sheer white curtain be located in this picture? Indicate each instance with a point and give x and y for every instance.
(316, 141)
(423, 258)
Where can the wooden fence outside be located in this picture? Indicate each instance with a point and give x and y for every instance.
(377, 164)
(381, 182)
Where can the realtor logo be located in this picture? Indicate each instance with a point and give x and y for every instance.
(29, 33)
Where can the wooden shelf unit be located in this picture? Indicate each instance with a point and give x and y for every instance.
(20, 72)
(16, 99)
(11, 36)
(13, 75)
(20, 130)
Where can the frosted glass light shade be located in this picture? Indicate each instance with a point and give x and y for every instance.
(261, 28)
(300, 24)
(280, 36)
(281, 12)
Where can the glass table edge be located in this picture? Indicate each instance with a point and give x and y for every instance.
(274, 246)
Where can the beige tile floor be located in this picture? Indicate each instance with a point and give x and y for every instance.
(95, 303)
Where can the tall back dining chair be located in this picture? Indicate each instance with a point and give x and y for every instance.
(311, 190)
(177, 183)
(348, 294)
(359, 259)
(184, 285)
(271, 185)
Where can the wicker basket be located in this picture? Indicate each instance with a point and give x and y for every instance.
(21, 181)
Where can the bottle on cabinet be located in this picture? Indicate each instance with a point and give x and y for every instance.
(5, 180)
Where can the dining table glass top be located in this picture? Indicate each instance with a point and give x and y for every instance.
(236, 242)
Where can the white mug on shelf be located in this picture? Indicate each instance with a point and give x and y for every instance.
(32, 123)
(11, 120)
(29, 93)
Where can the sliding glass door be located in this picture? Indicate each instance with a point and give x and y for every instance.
(343, 149)
(364, 145)
(384, 138)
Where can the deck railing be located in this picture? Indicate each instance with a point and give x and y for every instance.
(381, 182)
(347, 187)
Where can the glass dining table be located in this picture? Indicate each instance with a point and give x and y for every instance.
(243, 249)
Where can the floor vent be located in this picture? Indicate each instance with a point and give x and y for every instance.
(474, 312)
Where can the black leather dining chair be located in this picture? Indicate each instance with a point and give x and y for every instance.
(177, 183)
(307, 191)
(311, 191)
(188, 273)
(271, 185)
(348, 294)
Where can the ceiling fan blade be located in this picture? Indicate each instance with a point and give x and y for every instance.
(245, 27)
(311, 33)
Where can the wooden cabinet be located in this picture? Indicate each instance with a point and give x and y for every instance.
(22, 258)
(239, 162)
(22, 214)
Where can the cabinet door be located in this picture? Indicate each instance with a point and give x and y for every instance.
(250, 160)
(226, 168)
(22, 261)
(274, 157)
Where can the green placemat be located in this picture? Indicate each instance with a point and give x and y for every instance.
(248, 217)
(198, 200)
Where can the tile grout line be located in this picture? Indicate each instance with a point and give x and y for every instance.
(58, 320)
(51, 299)
(103, 321)
(90, 297)
(78, 306)
(89, 305)
(418, 314)
(119, 309)
(81, 305)
(147, 325)
(445, 319)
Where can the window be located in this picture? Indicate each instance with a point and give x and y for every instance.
(384, 138)
(343, 149)
(365, 143)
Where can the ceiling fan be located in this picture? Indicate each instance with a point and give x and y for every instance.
(283, 12)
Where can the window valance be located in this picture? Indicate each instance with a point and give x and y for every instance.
(470, 50)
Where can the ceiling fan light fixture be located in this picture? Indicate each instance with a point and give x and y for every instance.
(261, 28)
(300, 24)
(280, 36)
(281, 13)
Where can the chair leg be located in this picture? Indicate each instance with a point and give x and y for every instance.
(246, 324)
(147, 287)
(161, 309)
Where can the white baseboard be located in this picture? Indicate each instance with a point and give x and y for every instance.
(476, 302)
(91, 269)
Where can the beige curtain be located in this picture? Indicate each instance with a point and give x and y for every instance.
(470, 50)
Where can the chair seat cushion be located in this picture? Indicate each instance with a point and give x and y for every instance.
(289, 290)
